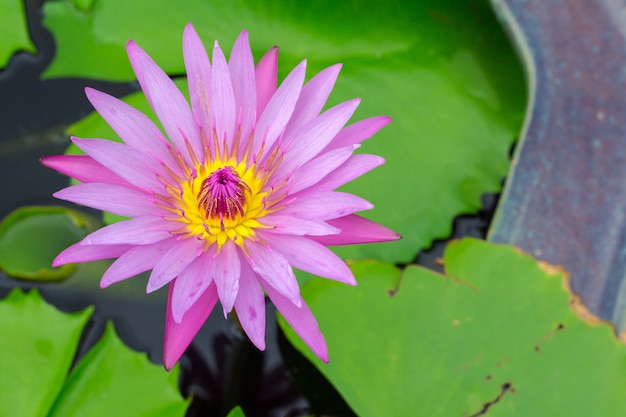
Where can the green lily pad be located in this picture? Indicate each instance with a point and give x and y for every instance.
(502, 335)
(236, 412)
(112, 374)
(36, 354)
(444, 71)
(31, 237)
(13, 30)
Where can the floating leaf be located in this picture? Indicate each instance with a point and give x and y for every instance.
(84, 5)
(36, 353)
(13, 30)
(312, 29)
(443, 71)
(113, 378)
(31, 237)
(503, 333)
(236, 412)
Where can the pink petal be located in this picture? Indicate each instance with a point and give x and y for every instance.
(310, 256)
(358, 132)
(278, 111)
(274, 269)
(326, 205)
(293, 225)
(134, 53)
(178, 336)
(81, 253)
(250, 306)
(241, 66)
(168, 103)
(137, 231)
(117, 199)
(311, 138)
(227, 270)
(132, 126)
(313, 171)
(135, 261)
(173, 262)
(312, 98)
(356, 229)
(82, 167)
(198, 68)
(266, 74)
(222, 99)
(191, 283)
(301, 320)
(127, 162)
(354, 167)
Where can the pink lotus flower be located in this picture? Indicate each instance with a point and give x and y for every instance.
(241, 192)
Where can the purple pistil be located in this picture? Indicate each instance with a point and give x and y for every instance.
(223, 194)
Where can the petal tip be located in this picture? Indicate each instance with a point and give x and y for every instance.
(131, 47)
(58, 261)
(321, 350)
(243, 36)
(45, 160)
(169, 362)
(384, 121)
(177, 315)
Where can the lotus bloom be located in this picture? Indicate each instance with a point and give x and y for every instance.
(238, 192)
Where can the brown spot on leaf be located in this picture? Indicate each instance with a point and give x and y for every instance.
(507, 387)
(575, 303)
(548, 336)
(503, 361)
(474, 362)
(552, 269)
(578, 307)
(442, 18)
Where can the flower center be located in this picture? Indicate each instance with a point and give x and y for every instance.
(223, 195)
(218, 201)
(222, 198)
